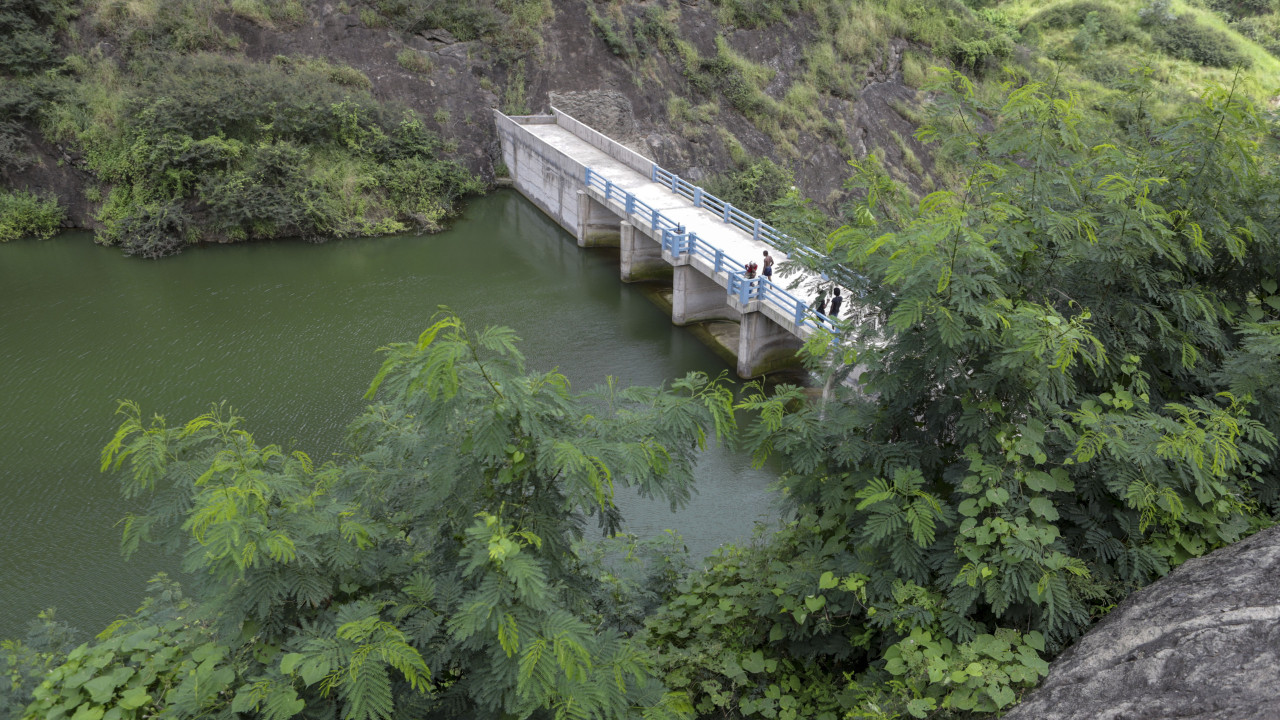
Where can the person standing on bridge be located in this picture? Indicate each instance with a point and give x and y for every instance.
(768, 265)
(836, 302)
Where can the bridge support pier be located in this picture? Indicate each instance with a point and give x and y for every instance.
(641, 256)
(598, 226)
(696, 297)
(764, 346)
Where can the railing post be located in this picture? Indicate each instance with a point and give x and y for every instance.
(799, 313)
(608, 189)
(697, 196)
(631, 204)
(588, 178)
(727, 208)
(653, 172)
(756, 234)
(666, 239)
(743, 290)
(719, 259)
(675, 183)
(656, 218)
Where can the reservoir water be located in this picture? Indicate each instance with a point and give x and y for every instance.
(287, 333)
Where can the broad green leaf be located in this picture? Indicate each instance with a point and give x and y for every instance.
(921, 707)
(289, 661)
(1043, 507)
(1035, 639)
(1003, 695)
(134, 698)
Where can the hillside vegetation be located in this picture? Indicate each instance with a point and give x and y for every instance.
(300, 144)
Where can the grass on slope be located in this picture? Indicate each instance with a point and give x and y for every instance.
(1184, 78)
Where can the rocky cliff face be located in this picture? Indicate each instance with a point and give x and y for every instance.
(1201, 644)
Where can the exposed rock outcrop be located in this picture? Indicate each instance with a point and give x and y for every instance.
(1201, 644)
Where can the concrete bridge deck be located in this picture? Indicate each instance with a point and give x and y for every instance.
(596, 188)
(734, 242)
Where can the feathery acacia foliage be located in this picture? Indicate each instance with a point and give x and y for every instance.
(1070, 390)
(429, 572)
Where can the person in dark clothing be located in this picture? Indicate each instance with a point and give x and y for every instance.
(836, 302)
(768, 265)
(820, 303)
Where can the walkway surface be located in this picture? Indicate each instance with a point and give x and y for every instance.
(707, 225)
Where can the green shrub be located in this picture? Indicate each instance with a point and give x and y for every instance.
(973, 43)
(372, 18)
(1073, 14)
(756, 13)
(612, 32)
(414, 61)
(466, 20)
(754, 187)
(344, 75)
(153, 230)
(25, 214)
(734, 77)
(975, 52)
(1157, 12)
(1106, 70)
(654, 31)
(143, 26)
(513, 98)
(1263, 30)
(1244, 8)
(27, 33)
(1001, 21)
(1186, 39)
(1090, 34)
(270, 13)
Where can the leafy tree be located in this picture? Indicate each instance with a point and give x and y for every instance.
(1066, 388)
(427, 572)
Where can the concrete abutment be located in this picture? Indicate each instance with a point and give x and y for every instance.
(764, 346)
(598, 226)
(698, 298)
(640, 258)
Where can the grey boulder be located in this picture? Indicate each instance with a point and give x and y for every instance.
(1202, 643)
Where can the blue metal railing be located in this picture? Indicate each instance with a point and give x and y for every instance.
(758, 229)
(678, 241)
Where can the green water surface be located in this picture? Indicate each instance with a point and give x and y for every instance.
(287, 333)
